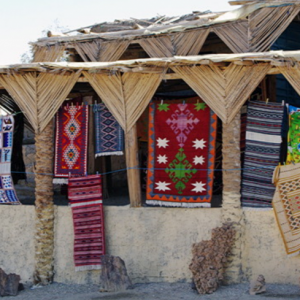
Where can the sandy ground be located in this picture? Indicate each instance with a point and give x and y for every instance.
(161, 291)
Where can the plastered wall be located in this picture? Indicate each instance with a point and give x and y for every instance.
(263, 250)
(17, 240)
(154, 242)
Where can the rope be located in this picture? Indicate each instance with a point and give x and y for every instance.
(137, 168)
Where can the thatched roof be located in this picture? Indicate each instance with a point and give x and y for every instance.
(253, 27)
(134, 28)
(223, 81)
(276, 58)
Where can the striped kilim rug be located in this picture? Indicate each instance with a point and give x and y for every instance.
(263, 139)
(7, 190)
(181, 154)
(85, 197)
(71, 139)
(286, 204)
(109, 135)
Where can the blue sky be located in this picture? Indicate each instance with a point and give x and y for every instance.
(24, 21)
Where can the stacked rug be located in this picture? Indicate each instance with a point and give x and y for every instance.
(109, 135)
(262, 154)
(286, 204)
(7, 190)
(181, 154)
(85, 197)
(71, 140)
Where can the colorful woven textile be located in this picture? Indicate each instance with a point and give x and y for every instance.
(71, 142)
(263, 139)
(286, 204)
(7, 190)
(109, 135)
(293, 153)
(181, 154)
(85, 197)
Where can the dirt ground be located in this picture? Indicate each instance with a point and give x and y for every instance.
(161, 291)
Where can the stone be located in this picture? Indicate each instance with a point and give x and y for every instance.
(209, 258)
(9, 284)
(113, 275)
(258, 286)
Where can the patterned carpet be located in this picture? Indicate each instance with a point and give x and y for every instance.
(181, 154)
(262, 154)
(85, 197)
(71, 142)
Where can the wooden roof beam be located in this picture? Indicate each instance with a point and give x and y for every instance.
(240, 2)
(245, 2)
(274, 71)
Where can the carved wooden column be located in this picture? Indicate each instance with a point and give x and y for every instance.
(231, 208)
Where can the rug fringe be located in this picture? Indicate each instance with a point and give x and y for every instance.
(60, 180)
(15, 203)
(177, 204)
(257, 208)
(86, 203)
(109, 153)
(294, 254)
(87, 268)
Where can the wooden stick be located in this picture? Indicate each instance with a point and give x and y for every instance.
(91, 148)
(244, 63)
(241, 2)
(244, 2)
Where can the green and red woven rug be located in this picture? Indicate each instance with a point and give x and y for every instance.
(181, 154)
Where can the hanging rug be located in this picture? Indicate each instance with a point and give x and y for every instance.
(7, 190)
(109, 135)
(262, 153)
(71, 140)
(85, 197)
(181, 154)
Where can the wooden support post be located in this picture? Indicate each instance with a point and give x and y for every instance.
(132, 162)
(231, 207)
(91, 141)
(44, 208)
(271, 87)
